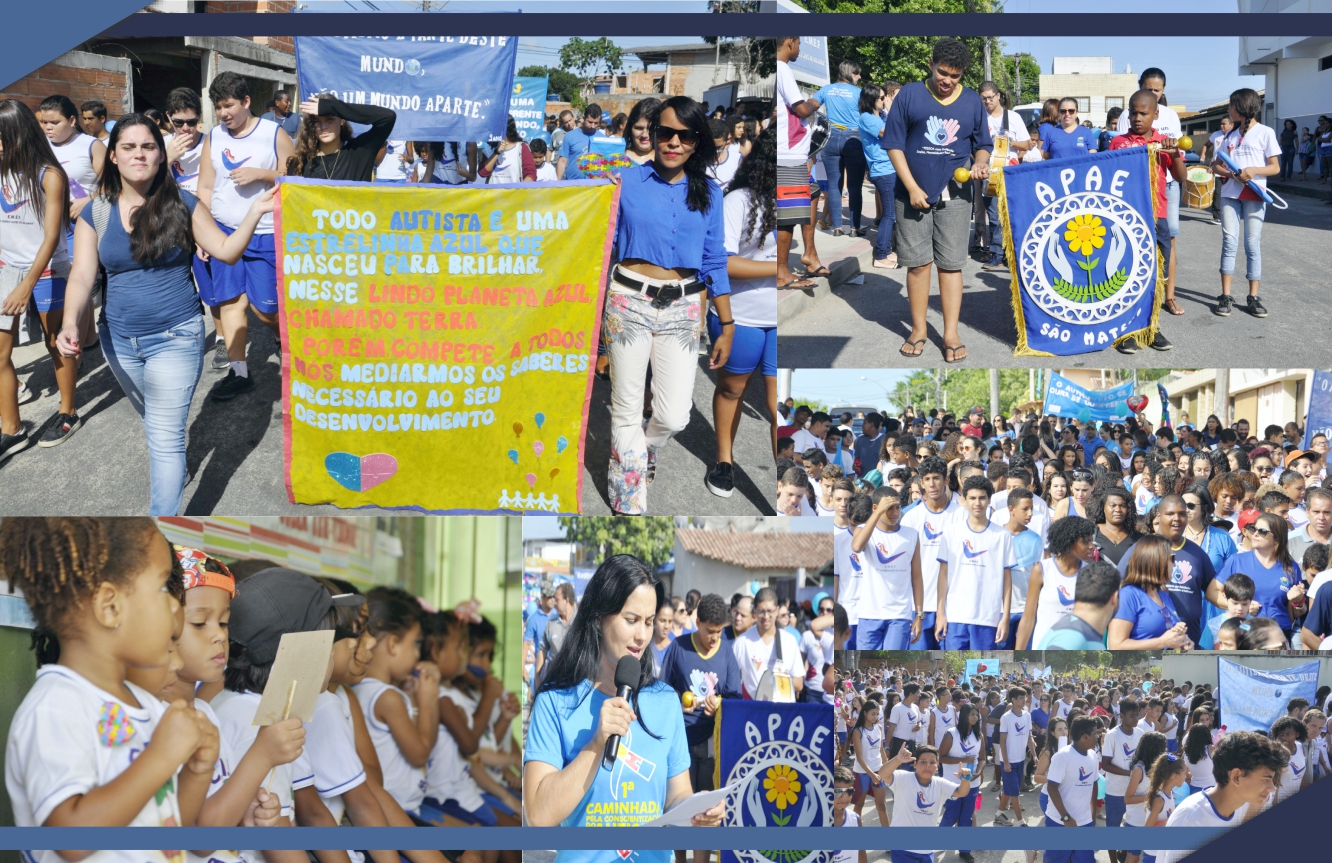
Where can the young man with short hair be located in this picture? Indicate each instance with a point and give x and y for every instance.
(934, 512)
(95, 123)
(893, 590)
(849, 565)
(1071, 786)
(578, 142)
(975, 575)
(1028, 548)
(813, 437)
(1117, 751)
(1015, 744)
(906, 720)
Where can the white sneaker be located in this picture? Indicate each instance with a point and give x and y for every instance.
(24, 393)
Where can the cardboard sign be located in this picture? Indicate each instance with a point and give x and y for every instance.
(297, 677)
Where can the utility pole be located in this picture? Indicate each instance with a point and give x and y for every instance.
(1222, 408)
(988, 77)
(994, 391)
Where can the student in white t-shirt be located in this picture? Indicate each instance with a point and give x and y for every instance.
(1117, 750)
(906, 720)
(935, 510)
(757, 651)
(893, 592)
(1255, 150)
(919, 794)
(867, 750)
(1292, 735)
(545, 171)
(1070, 784)
(1015, 744)
(844, 786)
(78, 745)
(848, 565)
(1245, 764)
(975, 575)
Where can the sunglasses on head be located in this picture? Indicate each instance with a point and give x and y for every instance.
(179, 123)
(663, 134)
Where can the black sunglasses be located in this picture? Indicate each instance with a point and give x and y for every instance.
(663, 134)
(179, 123)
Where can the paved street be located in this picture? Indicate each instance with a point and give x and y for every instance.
(234, 449)
(862, 325)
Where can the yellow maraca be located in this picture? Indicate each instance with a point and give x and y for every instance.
(687, 699)
(962, 175)
(1184, 143)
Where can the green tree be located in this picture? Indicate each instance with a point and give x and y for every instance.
(651, 539)
(589, 57)
(814, 404)
(1031, 79)
(561, 82)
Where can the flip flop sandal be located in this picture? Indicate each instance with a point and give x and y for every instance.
(795, 283)
(822, 272)
(1173, 306)
(919, 344)
(953, 349)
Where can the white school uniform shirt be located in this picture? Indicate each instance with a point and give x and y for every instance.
(724, 172)
(225, 766)
(943, 721)
(1293, 775)
(804, 440)
(753, 656)
(976, 562)
(849, 566)
(871, 748)
(75, 156)
(448, 774)
(23, 229)
(1201, 773)
(905, 719)
(185, 170)
(886, 589)
(56, 751)
(546, 173)
(790, 147)
(1076, 776)
(849, 819)
(1121, 746)
(258, 149)
(1018, 729)
(1167, 123)
(393, 168)
(916, 805)
(404, 783)
(929, 526)
(753, 301)
(1055, 601)
(955, 747)
(1197, 810)
(819, 508)
(330, 743)
(1249, 149)
(1135, 814)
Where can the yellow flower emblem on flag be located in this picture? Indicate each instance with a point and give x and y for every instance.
(782, 786)
(1084, 234)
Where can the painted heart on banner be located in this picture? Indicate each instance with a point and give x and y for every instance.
(360, 473)
(1137, 404)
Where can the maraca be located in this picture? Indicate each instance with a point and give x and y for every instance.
(687, 699)
(962, 175)
(1184, 143)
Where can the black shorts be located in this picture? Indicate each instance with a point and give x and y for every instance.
(896, 744)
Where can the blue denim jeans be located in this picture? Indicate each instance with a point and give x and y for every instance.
(844, 152)
(158, 373)
(996, 230)
(883, 242)
(1233, 211)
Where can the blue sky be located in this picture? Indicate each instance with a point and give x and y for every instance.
(548, 6)
(1200, 71)
(845, 386)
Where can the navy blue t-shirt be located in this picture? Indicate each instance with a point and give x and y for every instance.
(684, 668)
(142, 301)
(936, 138)
(1061, 144)
(1188, 583)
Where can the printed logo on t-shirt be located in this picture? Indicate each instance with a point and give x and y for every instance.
(1182, 573)
(179, 173)
(1295, 771)
(1018, 728)
(1084, 774)
(939, 132)
(921, 804)
(8, 204)
(1128, 753)
(75, 187)
(855, 564)
(930, 533)
(970, 552)
(229, 161)
(880, 551)
(1065, 598)
(702, 684)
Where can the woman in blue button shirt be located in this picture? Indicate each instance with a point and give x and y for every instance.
(1071, 139)
(566, 781)
(843, 152)
(670, 244)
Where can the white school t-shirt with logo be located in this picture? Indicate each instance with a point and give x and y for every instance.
(1076, 775)
(1018, 729)
(226, 764)
(56, 751)
(754, 656)
(886, 589)
(955, 747)
(330, 743)
(1197, 810)
(943, 721)
(929, 526)
(404, 783)
(916, 805)
(905, 720)
(1121, 746)
(1249, 149)
(850, 819)
(849, 567)
(185, 170)
(257, 149)
(1293, 776)
(753, 301)
(448, 774)
(75, 156)
(976, 561)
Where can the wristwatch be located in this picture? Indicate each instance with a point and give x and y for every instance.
(1065, 818)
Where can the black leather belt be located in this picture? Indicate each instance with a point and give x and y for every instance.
(661, 295)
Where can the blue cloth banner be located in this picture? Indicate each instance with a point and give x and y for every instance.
(444, 88)
(1320, 408)
(811, 67)
(1084, 239)
(1253, 698)
(527, 104)
(1063, 398)
(779, 757)
(1164, 398)
(980, 666)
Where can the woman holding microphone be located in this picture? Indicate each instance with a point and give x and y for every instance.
(577, 710)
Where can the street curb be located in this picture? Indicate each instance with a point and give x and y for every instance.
(1302, 191)
(793, 302)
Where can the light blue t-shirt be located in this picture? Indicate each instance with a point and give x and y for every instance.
(576, 143)
(633, 791)
(1149, 619)
(842, 102)
(871, 127)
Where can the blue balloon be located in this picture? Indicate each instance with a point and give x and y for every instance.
(513, 455)
(560, 445)
(540, 419)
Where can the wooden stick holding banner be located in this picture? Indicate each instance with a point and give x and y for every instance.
(295, 681)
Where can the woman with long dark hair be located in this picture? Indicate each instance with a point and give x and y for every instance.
(508, 160)
(750, 211)
(325, 147)
(35, 258)
(867, 748)
(143, 229)
(1277, 581)
(576, 711)
(962, 747)
(670, 245)
(1111, 508)
(1147, 619)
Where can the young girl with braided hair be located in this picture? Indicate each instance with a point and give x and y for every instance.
(87, 747)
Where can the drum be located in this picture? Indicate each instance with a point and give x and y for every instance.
(1199, 185)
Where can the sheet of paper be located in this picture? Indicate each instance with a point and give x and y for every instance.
(302, 659)
(680, 814)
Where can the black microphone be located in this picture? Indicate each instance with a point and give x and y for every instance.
(628, 672)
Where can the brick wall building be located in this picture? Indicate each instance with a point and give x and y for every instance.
(80, 75)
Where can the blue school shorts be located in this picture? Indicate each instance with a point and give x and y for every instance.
(909, 857)
(927, 641)
(49, 294)
(497, 804)
(203, 277)
(841, 738)
(1114, 810)
(874, 634)
(752, 347)
(254, 275)
(1013, 778)
(1066, 856)
(969, 636)
(483, 815)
